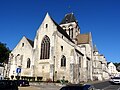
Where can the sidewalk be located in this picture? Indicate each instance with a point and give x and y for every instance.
(59, 84)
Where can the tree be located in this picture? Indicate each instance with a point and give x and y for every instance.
(4, 53)
(117, 66)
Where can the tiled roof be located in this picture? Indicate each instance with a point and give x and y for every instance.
(68, 18)
(83, 38)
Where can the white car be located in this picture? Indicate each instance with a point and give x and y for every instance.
(115, 80)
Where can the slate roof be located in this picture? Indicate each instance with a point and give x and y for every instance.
(83, 39)
(31, 42)
(63, 32)
(68, 18)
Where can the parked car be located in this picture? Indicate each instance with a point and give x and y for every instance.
(78, 87)
(8, 85)
(22, 82)
(115, 80)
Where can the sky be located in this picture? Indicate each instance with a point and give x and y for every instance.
(20, 18)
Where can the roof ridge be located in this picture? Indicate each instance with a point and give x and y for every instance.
(30, 41)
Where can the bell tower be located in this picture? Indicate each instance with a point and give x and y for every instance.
(70, 25)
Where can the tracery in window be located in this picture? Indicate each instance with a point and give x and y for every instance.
(45, 48)
(63, 61)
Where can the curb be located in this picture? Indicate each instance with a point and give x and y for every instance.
(94, 82)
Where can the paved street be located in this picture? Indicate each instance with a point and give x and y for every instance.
(41, 87)
(98, 85)
(106, 86)
(112, 87)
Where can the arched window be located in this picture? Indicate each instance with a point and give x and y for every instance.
(63, 61)
(45, 48)
(71, 31)
(28, 63)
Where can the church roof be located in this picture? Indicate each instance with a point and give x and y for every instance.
(83, 38)
(31, 42)
(62, 31)
(68, 18)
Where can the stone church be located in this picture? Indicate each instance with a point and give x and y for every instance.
(58, 51)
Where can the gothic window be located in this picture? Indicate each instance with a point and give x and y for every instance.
(28, 63)
(61, 48)
(45, 48)
(80, 62)
(46, 25)
(65, 29)
(87, 64)
(72, 32)
(63, 61)
(21, 58)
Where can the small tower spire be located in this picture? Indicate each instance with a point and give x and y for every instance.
(95, 48)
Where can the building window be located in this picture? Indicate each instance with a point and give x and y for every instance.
(63, 61)
(87, 64)
(71, 32)
(61, 48)
(80, 62)
(45, 48)
(22, 44)
(65, 30)
(21, 58)
(28, 63)
(46, 25)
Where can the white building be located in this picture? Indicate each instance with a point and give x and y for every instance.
(57, 51)
(1, 72)
(112, 69)
(100, 70)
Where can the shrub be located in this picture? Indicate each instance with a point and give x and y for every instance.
(66, 81)
(58, 81)
(12, 76)
(49, 80)
(39, 78)
(17, 77)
